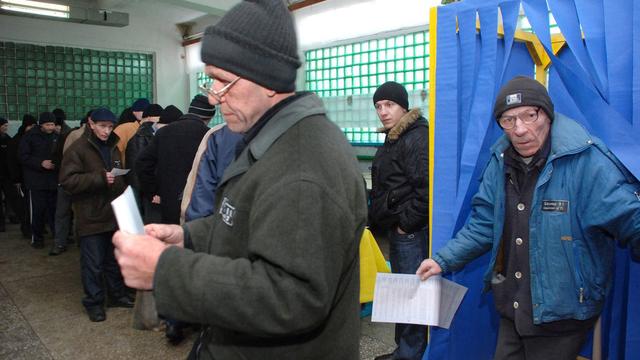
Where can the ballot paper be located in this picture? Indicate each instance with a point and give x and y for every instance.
(119, 172)
(404, 298)
(127, 213)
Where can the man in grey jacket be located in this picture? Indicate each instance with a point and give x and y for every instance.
(274, 272)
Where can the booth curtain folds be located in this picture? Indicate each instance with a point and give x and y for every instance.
(594, 79)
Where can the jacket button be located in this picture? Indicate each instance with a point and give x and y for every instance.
(520, 206)
(518, 241)
(518, 275)
(515, 305)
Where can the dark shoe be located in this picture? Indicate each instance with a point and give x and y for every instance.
(96, 314)
(37, 244)
(124, 302)
(174, 334)
(57, 250)
(384, 357)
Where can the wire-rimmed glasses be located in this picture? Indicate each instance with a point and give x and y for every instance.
(208, 89)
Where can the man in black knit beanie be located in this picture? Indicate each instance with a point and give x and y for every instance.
(274, 272)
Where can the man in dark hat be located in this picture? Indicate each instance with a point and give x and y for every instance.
(139, 141)
(37, 150)
(23, 209)
(399, 198)
(273, 274)
(86, 175)
(552, 201)
(127, 130)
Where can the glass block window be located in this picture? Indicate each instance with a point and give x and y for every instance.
(204, 80)
(346, 76)
(35, 78)
(359, 68)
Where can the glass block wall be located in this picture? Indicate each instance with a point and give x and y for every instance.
(204, 80)
(35, 78)
(346, 76)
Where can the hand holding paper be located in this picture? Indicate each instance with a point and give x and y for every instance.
(119, 172)
(403, 298)
(137, 253)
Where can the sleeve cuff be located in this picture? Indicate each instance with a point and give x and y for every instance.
(441, 262)
(188, 243)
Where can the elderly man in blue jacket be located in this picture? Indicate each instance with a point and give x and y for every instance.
(552, 201)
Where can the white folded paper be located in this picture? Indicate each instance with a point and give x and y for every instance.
(119, 172)
(403, 298)
(127, 213)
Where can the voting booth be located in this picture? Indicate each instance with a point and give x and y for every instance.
(588, 55)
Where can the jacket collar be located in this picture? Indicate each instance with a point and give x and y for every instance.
(307, 105)
(568, 136)
(405, 122)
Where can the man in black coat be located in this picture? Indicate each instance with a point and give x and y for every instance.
(139, 141)
(399, 200)
(36, 151)
(164, 165)
(6, 187)
(16, 176)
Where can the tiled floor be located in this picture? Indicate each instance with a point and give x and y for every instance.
(41, 316)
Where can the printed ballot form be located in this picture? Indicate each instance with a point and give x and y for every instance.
(127, 213)
(404, 298)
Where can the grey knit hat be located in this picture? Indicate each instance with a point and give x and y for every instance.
(255, 40)
(522, 91)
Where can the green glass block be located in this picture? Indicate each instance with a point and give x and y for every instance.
(408, 39)
(420, 50)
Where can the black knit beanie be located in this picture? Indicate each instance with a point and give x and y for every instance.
(3, 121)
(200, 106)
(153, 110)
(28, 120)
(169, 115)
(46, 117)
(393, 91)
(522, 91)
(255, 40)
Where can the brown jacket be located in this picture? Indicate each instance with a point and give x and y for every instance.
(83, 176)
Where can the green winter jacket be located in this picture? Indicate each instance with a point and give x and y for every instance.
(274, 273)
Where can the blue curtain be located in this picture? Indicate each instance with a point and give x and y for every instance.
(595, 79)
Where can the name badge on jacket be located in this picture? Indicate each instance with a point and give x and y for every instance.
(555, 205)
(227, 211)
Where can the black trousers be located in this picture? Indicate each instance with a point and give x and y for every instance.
(512, 346)
(97, 261)
(11, 200)
(43, 211)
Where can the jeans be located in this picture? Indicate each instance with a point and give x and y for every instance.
(63, 217)
(97, 260)
(406, 252)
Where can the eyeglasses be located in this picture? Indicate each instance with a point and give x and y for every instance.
(208, 89)
(527, 117)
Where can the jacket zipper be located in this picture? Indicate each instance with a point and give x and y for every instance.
(577, 268)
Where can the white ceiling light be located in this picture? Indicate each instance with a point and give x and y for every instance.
(36, 8)
(34, 11)
(38, 4)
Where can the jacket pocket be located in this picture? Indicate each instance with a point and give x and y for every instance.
(577, 270)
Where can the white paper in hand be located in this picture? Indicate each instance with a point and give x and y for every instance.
(119, 172)
(403, 298)
(127, 213)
